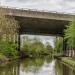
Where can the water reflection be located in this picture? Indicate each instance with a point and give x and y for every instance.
(35, 66)
(9, 69)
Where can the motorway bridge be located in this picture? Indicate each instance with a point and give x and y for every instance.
(39, 22)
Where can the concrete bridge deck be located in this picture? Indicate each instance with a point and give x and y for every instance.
(38, 22)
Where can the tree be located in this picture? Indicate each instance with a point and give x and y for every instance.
(37, 47)
(70, 35)
(58, 45)
(49, 49)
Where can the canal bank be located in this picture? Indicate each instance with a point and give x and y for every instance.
(68, 61)
(36, 66)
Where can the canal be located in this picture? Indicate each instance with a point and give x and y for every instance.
(35, 66)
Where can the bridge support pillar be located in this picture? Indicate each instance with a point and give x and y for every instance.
(19, 42)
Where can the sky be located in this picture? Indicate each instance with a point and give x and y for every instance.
(44, 39)
(66, 6)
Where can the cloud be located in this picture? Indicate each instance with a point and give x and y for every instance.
(44, 39)
(67, 6)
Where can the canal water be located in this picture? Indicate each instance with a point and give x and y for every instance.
(35, 66)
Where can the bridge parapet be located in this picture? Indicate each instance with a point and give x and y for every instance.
(37, 14)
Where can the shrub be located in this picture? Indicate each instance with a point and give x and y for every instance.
(8, 49)
(35, 48)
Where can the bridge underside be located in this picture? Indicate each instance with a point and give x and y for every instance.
(41, 26)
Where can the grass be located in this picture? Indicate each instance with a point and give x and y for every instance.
(69, 61)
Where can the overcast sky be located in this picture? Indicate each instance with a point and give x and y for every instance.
(44, 39)
(67, 6)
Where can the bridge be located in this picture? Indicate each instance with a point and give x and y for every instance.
(39, 22)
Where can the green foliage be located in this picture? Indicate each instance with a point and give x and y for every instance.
(49, 50)
(8, 29)
(58, 45)
(26, 47)
(8, 49)
(36, 48)
(70, 34)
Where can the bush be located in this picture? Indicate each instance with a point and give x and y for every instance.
(36, 48)
(8, 49)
